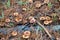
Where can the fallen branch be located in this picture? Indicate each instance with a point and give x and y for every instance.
(52, 38)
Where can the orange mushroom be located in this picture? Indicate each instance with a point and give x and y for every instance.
(7, 20)
(18, 19)
(24, 9)
(14, 33)
(42, 18)
(16, 14)
(46, 22)
(32, 20)
(47, 18)
(26, 34)
(37, 4)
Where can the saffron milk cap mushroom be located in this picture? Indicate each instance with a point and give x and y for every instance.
(37, 4)
(14, 33)
(32, 20)
(42, 18)
(7, 20)
(46, 22)
(47, 18)
(16, 14)
(26, 34)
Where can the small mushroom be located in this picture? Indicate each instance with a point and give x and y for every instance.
(37, 4)
(47, 18)
(16, 14)
(42, 18)
(14, 33)
(24, 9)
(18, 19)
(46, 22)
(7, 20)
(26, 34)
(32, 20)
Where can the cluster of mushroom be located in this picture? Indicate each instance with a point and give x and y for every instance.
(47, 20)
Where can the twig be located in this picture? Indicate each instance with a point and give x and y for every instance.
(45, 30)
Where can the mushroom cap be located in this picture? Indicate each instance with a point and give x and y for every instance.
(42, 18)
(46, 22)
(16, 14)
(25, 36)
(27, 33)
(38, 4)
(24, 9)
(7, 20)
(18, 19)
(47, 18)
(14, 33)
(32, 20)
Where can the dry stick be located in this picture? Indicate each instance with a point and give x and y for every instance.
(44, 29)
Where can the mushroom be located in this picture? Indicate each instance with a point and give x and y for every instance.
(26, 34)
(14, 33)
(16, 14)
(32, 20)
(47, 18)
(7, 20)
(37, 4)
(18, 19)
(46, 22)
(24, 9)
(42, 18)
